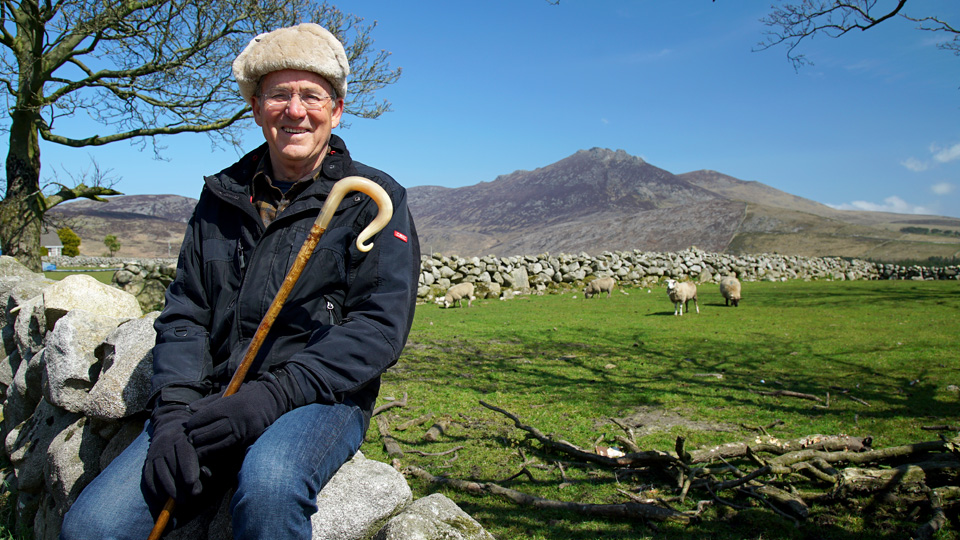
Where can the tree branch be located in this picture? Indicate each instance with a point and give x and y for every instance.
(793, 23)
(97, 140)
(395, 403)
(633, 459)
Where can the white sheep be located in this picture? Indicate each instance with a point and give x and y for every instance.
(458, 292)
(730, 289)
(681, 294)
(599, 285)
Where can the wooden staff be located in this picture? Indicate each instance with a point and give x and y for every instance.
(340, 189)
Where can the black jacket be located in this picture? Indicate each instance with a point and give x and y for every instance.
(344, 323)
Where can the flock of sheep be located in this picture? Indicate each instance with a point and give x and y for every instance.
(680, 292)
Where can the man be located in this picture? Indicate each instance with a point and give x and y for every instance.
(310, 392)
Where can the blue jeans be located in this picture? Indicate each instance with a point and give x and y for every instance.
(276, 488)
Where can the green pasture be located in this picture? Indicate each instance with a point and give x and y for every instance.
(103, 276)
(886, 352)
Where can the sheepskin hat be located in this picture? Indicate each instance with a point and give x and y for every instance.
(306, 47)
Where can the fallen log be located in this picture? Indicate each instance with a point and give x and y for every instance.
(867, 456)
(390, 444)
(415, 422)
(772, 445)
(437, 430)
(787, 501)
(911, 477)
(788, 476)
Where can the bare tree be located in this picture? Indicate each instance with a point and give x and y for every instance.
(139, 68)
(792, 23)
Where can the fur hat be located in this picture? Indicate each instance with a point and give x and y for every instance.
(306, 47)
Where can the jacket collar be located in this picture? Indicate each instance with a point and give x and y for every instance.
(235, 182)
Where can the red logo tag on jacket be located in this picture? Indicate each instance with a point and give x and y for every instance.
(400, 235)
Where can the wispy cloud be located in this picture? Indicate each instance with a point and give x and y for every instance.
(939, 154)
(915, 164)
(942, 188)
(944, 155)
(890, 204)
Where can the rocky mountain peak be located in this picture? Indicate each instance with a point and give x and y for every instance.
(607, 156)
(591, 201)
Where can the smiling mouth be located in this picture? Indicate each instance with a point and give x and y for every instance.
(294, 131)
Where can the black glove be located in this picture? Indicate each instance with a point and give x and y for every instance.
(172, 468)
(235, 421)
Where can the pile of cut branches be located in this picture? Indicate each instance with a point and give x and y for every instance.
(789, 477)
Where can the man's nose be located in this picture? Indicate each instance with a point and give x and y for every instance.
(295, 107)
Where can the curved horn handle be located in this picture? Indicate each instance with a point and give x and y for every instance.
(371, 188)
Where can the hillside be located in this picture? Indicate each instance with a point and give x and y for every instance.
(592, 201)
(600, 199)
(781, 222)
(145, 225)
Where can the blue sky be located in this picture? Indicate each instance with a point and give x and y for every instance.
(491, 87)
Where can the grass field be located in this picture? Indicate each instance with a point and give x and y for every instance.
(103, 276)
(886, 352)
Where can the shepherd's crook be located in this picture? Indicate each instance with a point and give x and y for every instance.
(340, 189)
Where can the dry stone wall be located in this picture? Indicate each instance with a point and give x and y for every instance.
(502, 277)
(499, 277)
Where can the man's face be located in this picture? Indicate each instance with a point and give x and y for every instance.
(297, 128)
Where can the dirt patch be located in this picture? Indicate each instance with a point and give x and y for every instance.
(647, 420)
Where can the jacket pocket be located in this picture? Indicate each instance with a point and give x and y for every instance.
(181, 355)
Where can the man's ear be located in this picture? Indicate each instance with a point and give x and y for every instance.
(336, 113)
(257, 110)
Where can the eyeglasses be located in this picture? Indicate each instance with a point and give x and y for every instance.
(280, 99)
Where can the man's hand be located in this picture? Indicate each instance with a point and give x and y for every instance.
(172, 467)
(221, 423)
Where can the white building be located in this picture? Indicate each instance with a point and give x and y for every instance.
(52, 242)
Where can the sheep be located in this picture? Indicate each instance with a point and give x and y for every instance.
(730, 289)
(681, 294)
(599, 285)
(458, 292)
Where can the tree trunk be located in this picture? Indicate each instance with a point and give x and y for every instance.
(21, 212)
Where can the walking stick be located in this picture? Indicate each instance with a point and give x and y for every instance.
(340, 189)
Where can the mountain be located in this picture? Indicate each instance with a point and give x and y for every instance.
(145, 225)
(594, 200)
(600, 199)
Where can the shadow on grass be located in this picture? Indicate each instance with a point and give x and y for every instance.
(570, 370)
